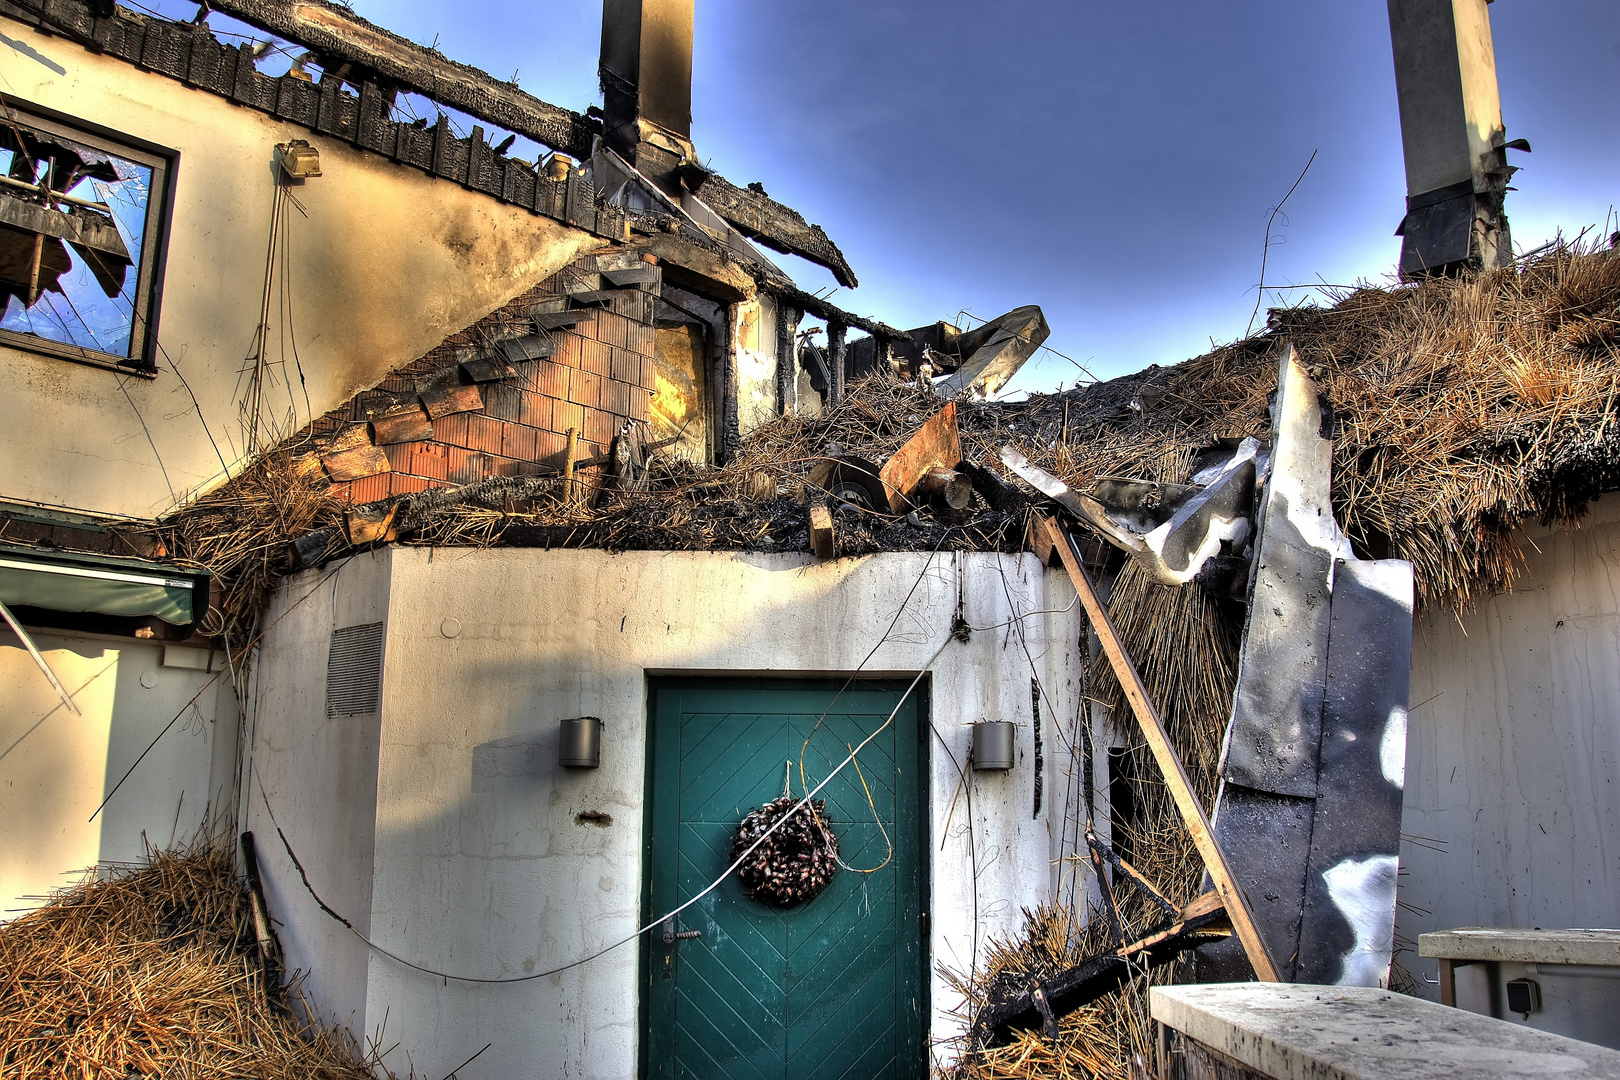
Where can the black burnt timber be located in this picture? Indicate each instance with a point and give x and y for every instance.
(787, 325)
(193, 56)
(781, 228)
(810, 304)
(998, 1022)
(836, 332)
(337, 34)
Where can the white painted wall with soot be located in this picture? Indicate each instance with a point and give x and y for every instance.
(478, 865)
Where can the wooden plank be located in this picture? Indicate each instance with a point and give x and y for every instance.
(1040, 541)
(570, 463)
(1203, 904)
(1175, 777)
(934, 445)
(822, 539)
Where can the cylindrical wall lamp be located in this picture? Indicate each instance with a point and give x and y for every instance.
(993, 744)
(579, 745)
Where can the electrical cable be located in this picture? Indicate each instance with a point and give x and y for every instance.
(716, 883)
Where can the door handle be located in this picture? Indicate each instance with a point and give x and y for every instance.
(670, 937)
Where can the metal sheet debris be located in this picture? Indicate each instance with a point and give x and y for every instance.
(1309, 808)
(993, 353)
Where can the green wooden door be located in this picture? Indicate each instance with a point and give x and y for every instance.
(830, 988)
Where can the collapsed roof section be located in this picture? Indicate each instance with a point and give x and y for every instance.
(355, 53)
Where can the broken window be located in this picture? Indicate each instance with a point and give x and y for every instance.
(80, 225)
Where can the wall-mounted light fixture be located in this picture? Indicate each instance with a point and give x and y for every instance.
(298, 159)
(579, 743)
(992, 745)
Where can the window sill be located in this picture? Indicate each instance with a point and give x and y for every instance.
(73, 353)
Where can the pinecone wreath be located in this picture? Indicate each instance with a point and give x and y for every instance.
(795, 862)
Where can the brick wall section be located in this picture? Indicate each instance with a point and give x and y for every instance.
(601, 375)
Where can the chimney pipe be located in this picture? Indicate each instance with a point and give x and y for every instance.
(646, 73)
(1452, 135)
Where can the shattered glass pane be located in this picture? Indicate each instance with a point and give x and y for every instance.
(73, 221)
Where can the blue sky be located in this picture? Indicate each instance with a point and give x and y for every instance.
(1114, 163)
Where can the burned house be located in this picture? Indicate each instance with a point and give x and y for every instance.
(484, 535)
(351, 319)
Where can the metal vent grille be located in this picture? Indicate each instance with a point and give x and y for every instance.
(354, 670)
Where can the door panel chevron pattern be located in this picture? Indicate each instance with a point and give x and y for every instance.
(831, 989)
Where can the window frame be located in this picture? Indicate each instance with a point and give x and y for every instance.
(148, 293)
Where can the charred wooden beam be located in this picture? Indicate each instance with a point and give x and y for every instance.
(1086, 982)
(339, 35)
(835, 361)
(810, 304)
(787, 327)
(781, 228)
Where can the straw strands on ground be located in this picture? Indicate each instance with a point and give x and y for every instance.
(152, 971)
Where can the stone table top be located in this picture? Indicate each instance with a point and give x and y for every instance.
(1523, 946)
(1297, 1032)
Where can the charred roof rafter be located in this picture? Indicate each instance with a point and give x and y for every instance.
(338, 34)
(191, 54)
(354, 50)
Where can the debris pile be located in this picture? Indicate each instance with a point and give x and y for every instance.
(1462, 408)
(1100, 1040)
(153, 971)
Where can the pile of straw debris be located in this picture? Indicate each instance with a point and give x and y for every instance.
(153, 972)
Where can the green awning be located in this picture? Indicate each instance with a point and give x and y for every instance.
(107, 584)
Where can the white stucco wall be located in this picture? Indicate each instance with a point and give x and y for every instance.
(479, 866)
(1512, 807)
(753, 329)
(386, 262)
(55, 768)
(317, 775)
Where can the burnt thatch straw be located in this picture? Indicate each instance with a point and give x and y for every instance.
(152, 971)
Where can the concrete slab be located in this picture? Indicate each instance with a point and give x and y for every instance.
(1508, 945)
(1295, 1032)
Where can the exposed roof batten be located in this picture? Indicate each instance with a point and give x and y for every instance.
(337, 34)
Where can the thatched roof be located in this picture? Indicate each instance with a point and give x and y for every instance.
(1462, 408)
